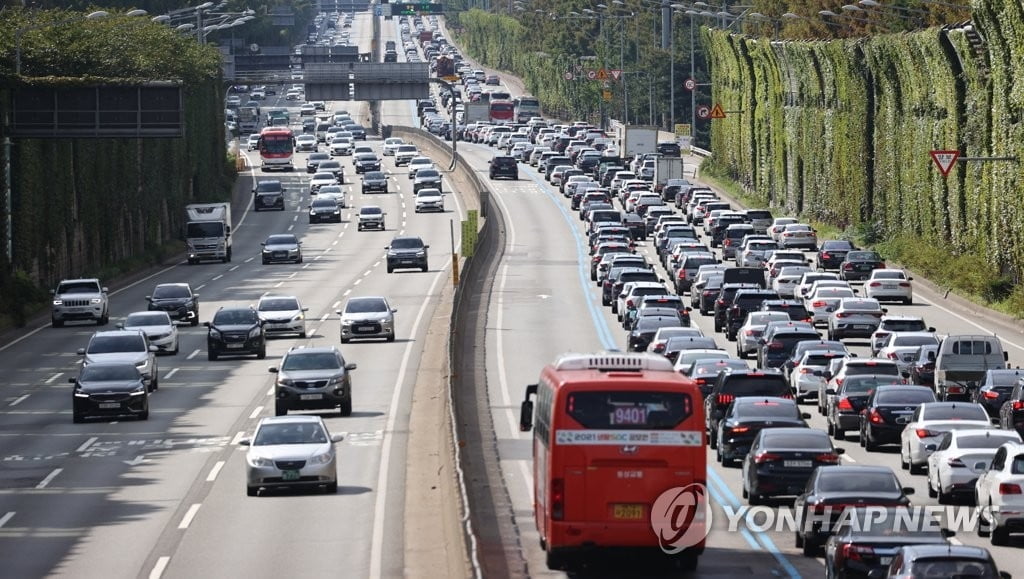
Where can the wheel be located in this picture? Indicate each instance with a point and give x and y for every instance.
(252, 491)
(144, 415)
(1000, 536)
(914, 468)
(755, 500)
(345, 408)
(331, 488)
(798, 541)
(872, 446)
(346, 340)
(77, 418)
(932, 493)
(714, 440)
(809, 549)
(211, 355)
(838, 434)
(741, 353)
(424, 269)
(280, 409)
(104, 320)
(904, 464)
(192, 261)
(390, 269)
(265, 262)
(195, 320)
(302, 335)
(908, 301)
(155, 384)
(861, 439)
(262, 353)
(174, 352)
(743, 492)
(54, 322)
(391, 337)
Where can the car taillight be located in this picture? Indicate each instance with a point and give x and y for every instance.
(763, 457)
(991, 395)
(682, 274)
(739, 429)
(558, 499)
(775, 345)
(956, 463)
(1018, 404)
(904, 284)
(848, 266)
(629, 303)
(880, 266)
(787, 396)
(876, 417)
(787, 235)
(874, 284)
(700, 381)
(925, 433)
(839, 382)
(826, 255)
(1009, 489)
(659, 348)
(725, 399)
(893, 356)
(854, 552)
(720, 302)
(842, 315)
(749, 333)
(819, 304)
(829, 457)
(951, 389)
(844, 404)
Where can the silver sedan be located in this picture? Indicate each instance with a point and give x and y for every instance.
(290, 452)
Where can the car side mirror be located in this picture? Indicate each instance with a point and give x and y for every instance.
(1005, 575)
(931, 329)
(245, 441)
(207, 324)
(351, 366)
(81, 351)
(885, 310)
(394, 310)
(273, 370)
(149, 298)
(908, 490)
(830, 391)
(931, 356)
(930, 447)
(840, 451)
(526, 416)
(426, 247)
(263, 243)
(337, 437)
(905, 374)
(805, 415)
(195, 296)
(72, 380)
(153, 348)
(104, 290)
(120, 325)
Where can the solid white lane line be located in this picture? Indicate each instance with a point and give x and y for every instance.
(85, 445)
(189, 515)
(173, 371)
(18, 400)
(49, 478)
(215, 471)
(192, 355)
(54, 377)
(218, 276)
(159, 567)
(7, 517)
(255, 412)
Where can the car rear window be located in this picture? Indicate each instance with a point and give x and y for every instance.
(755, 385)
(905, 397)
(857, 369)
(904, 325)
(864, 384)
(767, 408)
(849, 481)
(961, 412)
(990, 441)
(809, 440)
(625, 410)
(638, 276)
(755, 214)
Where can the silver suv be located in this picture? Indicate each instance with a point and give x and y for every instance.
(80, 299)
(367, 317)
(313, 379)
(129, 346)
(370, 217)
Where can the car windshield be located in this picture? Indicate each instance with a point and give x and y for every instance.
(705, 368)
(888, 275)
(311, 361)
(836, 245)
(325, 203)
(407, 243)
(370, 211)
(329, 189)
(861, 306)
(170, 291)
(106, 373)
(281, 240)
(426, 173)
(324, 176)
(374, 175)
(366, 305)
(235, 317)
(268, 186)
(147, 319)
(81, 287)
(845, 480)
(112, 344)
(278, 305)
(290, 433)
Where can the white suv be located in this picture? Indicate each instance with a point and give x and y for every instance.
(79, 299)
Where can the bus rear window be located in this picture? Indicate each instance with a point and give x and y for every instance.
(624, 410)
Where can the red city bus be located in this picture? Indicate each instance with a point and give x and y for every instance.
(615, 434)
(502, 111)
(277, 147)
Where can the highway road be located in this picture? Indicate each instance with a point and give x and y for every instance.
(545, 304)
(165, 497)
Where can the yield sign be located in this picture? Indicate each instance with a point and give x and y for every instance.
(717, 112)
(616, 73)
(602, 74)
(945, 160)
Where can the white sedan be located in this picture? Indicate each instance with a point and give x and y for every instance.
(930, 422)
(902, 347)
(341, 146)
(890, 284)
(158, 327)
(960, 457)
(429, 200)
(391, 145)
(253, 142)
(999, 488)
(417, 163)
(824, 301)
(306, 143)
(320, 180)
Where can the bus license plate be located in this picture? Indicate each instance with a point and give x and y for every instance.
(290, 475)
(797, 463)
(631, 512)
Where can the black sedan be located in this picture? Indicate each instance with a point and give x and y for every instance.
(996, 388)
(868, 540)
(831, 489)
(832, 253)
(746, 417)
(375, 181)
(321, 210)
(642, 334)
(847, 402)
(1011, 414)
(177, 300)
(109, 390)
(888, 410)
(939, 560)
(781, 460)
(366, 162)
(858, 265)
(922, 366)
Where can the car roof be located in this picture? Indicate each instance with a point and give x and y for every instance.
(914, 552)
(301, 350)
(104, 333)
(416, 237)
(291, 419)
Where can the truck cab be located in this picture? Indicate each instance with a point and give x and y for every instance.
(208, 232)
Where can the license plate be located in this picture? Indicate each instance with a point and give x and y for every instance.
(290, 475)
(889, 286)
(234, 346)
(797, 463)
(861, 326)
(109, 405)
(884, 560)
(364, 329)
(631, 512)
(311, 396)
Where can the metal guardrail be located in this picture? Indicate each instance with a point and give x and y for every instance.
(700, 152)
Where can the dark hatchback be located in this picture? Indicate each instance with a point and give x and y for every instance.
(321, 210)
(832, 489)
(669, 149)
(781, 460)
(858, 265)
(868, 540)
(744, 302)
(832, 253)
(793, 308)
(178, 300)
(407, 253)
(366, 162)
(235, 331)
(1011, 414)
(996, 388)
(774, 348)
(268, 194)
(613, 287)
(922, 366)
(888, 410)
(724, 300)
(746, 417)
(503, 166)
(109, 390)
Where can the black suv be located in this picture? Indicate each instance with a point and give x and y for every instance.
(235, 331)
(733, 384)
(375, 181)
(503, 166)
(268, 194)
(744, 302)
(407, 252)
(177, 300)
(723, 302)
(669, 149)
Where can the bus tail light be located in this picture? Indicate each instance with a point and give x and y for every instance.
(558, 499)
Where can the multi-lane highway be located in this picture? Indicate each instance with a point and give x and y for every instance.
(165, 497)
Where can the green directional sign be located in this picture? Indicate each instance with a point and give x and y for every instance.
(414, 8)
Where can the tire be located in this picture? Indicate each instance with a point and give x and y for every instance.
(391, 337)
(913, 468)
(262, 354)
(77, 418)
(1000, 537)
(798, 540)
(932, 493)
(908, 301)
(143, 415)
(252, 491)
(345, 408)
(280, 409)
(425, 269)
(391, 269)
(195, 320)
(872, 446)
(741, 353)
(104, 320)
(55, 323)
(265, 262)
(331, 488)
(755, 500)
(302, 335)
(810, 549)
(211, 356)
(155, 385)
(838, 434)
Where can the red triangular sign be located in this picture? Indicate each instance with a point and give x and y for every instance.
(616, 73)
(717, 112)
(945, 160)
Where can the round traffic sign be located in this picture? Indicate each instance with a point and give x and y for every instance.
(690, 84)
(703, 111)
(568, 75)
(592, 74)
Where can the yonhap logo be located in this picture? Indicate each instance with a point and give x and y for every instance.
(681, 517)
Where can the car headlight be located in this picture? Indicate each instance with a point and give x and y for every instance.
(265, 250)
(312, 211)
(259, 461)
(255, 332)
(420, 253)
(284, 381)
(320, 458)
(160, 336)
(80, 394)
(140, 391)
(298, 316)
(58, 302)
(336, 380)
(141, 363)
(96, 301)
